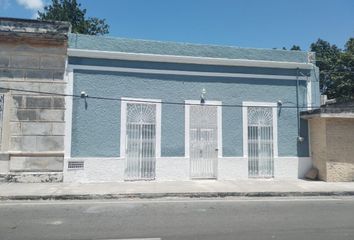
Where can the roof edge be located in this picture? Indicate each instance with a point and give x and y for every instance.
(190, 43)
(85, 53)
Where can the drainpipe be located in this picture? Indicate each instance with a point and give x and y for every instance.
(299, 138)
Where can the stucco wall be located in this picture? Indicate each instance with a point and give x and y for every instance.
(96, 130)
(319, 145)
(340, 149)
(332, 148)
(177, 169)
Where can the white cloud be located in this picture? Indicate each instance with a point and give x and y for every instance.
(31, 4)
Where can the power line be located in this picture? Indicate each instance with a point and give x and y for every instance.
(149, 101)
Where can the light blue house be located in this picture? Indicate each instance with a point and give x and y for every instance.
(154, 110)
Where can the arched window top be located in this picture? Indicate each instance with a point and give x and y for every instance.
(260, 116)
(141, 113)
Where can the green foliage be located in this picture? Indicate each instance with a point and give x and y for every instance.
(71, 11)
(336, 69)
(343, 75)
(295, 48)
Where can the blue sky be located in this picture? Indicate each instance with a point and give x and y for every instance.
(244, 23)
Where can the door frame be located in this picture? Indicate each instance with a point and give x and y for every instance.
(188, 103)
(274, 107)
(123, 123)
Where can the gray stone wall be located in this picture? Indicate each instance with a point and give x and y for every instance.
(33, 123)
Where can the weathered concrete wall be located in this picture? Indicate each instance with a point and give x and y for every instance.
(319, 145)
(33, 135)
(332, 144)
(340, 149)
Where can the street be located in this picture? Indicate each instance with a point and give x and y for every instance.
(210, 219)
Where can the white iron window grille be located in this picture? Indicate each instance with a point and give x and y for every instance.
(260, 142)
(140, 141)
(203, 136)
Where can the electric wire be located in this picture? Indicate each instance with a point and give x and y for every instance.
(150, 101)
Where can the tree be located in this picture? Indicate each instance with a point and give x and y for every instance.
(336, 69)
(71, 11)
(326, 59)
(343, 75)
(295, 48)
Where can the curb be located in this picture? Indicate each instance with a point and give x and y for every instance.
(174, 195)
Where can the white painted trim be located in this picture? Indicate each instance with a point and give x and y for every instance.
(69, 77)
(309, 94)
(239, 158)
(186, 130)
(185, 73)
(176, 169)
(94, 158)
(328, 115)
(275, 131)
(309, 136)
(259, 104)
(187, 125)
(158, 129)
(143, 100)
(245, 131)
(6, 129)
(219, 124)
(123, 122)
(245, 106)
(158, 158)
(123, 128)
(184, 59)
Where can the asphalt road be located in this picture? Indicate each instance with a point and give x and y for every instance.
(180, 219)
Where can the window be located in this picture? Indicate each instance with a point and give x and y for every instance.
(260, 137)
(140, 137)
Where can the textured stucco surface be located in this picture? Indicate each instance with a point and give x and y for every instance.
(305, 164)
(177, 169)
(291, 167)
(79, 41)
(340, 149)
(319, 145)
(170, 169)
(96, 170)
(232, 168)
(332, 148)
(96, 129)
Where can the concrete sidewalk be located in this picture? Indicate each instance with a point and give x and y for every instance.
(153, 189)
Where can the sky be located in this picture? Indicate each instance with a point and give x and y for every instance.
(243, 23)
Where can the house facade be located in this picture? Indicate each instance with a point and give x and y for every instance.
(32, 63)
(149, 110)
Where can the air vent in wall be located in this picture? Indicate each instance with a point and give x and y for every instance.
(75, 165)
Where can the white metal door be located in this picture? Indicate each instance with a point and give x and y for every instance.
(260, 142)
(140, 141)
(203, 141)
